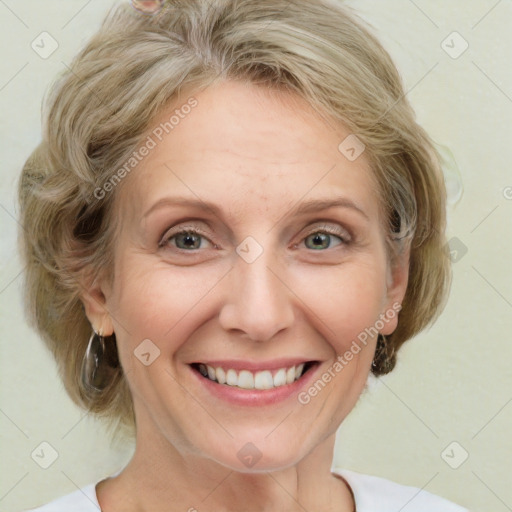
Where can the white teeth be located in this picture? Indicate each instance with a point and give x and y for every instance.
(280, 378)
(249, 380)
(263, 380)
(246, 380)
(231, 378)
(221, 375)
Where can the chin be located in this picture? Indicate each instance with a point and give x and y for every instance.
(261, 455)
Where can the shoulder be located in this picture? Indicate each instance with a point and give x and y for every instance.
(376, 494)
(83, 500)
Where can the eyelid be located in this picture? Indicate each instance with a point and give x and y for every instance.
(327, 227)
(178, 229)
(338, 230)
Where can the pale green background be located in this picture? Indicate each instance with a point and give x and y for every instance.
(452, 383)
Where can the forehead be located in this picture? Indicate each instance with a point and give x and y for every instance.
(243, 141)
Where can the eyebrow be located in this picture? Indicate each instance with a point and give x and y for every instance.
(309, 206)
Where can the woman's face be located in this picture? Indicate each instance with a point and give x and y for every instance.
(250, 248)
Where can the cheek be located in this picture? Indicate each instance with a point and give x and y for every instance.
(153, 300)
(345, 303)
(345, 300)
(165, 305)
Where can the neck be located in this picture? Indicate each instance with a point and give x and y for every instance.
(159, 475)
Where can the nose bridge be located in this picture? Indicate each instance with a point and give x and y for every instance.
(259, 303)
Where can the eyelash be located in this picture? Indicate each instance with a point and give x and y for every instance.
(342, 235)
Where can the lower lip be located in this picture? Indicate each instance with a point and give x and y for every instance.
(255, 397)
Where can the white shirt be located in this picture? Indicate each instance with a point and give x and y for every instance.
(371, 494)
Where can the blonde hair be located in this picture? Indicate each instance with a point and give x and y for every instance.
(99, 111)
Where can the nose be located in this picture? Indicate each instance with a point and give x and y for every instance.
(259, 304)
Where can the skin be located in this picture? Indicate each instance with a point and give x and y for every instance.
(256, 154)
(147, 6)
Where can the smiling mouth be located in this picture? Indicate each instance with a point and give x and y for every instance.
(260, 380)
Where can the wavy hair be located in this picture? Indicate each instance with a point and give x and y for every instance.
(100, 109)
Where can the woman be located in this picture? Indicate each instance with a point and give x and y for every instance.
(232, 220)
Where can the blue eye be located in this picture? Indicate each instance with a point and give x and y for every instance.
(192, 240)
(321, 240)
(186, 240)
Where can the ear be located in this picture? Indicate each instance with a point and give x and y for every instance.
(94, 300)
(397, 279)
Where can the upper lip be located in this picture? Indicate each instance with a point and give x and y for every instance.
(236, 364)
